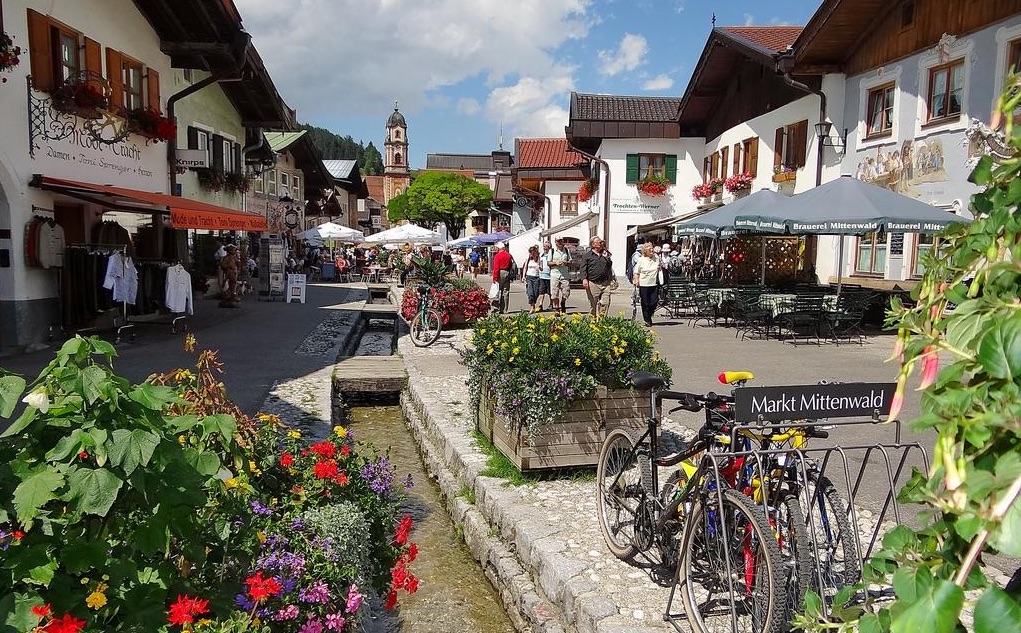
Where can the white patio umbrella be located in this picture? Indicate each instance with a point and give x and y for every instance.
(332, 231)
(405, 233)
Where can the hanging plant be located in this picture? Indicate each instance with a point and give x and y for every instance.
(586, 190)
(151, 124)
(236, 182)
(10, 55)
(85, 99)
(653, 185)
(698, 192)
(210, 178)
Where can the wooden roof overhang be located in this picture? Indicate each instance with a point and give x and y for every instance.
(708, 86)
(586, 131)
(835, 32)
(208, 35)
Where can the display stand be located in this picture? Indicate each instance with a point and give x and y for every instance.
(174, 319)
(271, 268)
(296, 288)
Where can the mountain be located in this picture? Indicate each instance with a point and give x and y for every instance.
(335, 147)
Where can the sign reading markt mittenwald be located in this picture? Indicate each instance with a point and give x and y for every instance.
(800, 402)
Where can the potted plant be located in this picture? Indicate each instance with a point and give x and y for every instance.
(459, 301)
(151, 124)
(716, 185)
(783, 173)
(702, 191)
(545, 389)
(586, 190)
(236, 181)
(739, 184)
(10, 55)
(210, 178)
(86, 99)
(653, 185)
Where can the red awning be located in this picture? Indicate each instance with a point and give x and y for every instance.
(184, 213)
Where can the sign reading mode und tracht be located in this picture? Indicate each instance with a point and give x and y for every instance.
(798, 402)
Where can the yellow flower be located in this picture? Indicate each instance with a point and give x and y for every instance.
(554, 337)
(96, 599)
(253, 467)
(294, 435)
(577, 361)
(503, 345)
(482, 330)
(189, 343)
(489, 350)
(340, 431)
(261, 536)
(181, 439)
(516, 350)
(232, 483)
(514, 340)
(576, 318)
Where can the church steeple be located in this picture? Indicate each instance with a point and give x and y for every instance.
(396, 173)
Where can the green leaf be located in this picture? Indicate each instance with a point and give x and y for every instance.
(935, 610)
(34, 493)
(154, 536)
(92, 378)
(73, 443)
(869, 623)
(911, 583)
(131, 449)
(95, 490)
(962, 330)
(898, 539)
(16, 608)
(206, 463)
(997, 612)
(43, 574)
(152, 396)
(223, 424)
(813, 605)
(999, 351)
(27, 417)
(1007, 537)
(182, 423)
(983, 172)
(11, 388)
(81, 556)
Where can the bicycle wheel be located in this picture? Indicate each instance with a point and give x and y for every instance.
(730, 572)
(792, 539)
(622, 477)
(670, 540)
(425, 328)
(835, 550)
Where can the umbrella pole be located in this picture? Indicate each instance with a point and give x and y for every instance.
(762, 280)
(840, 263)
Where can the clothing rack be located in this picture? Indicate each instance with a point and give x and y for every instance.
(174, 319)
(93, 247)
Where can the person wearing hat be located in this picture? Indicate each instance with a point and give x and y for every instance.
(501, 275)
(544, 274)
(664, 264)
(560, 285)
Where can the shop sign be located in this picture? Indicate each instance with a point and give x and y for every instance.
(637, 206)
(191, 158)
(126, 163)
(801, 402)
(295, 288)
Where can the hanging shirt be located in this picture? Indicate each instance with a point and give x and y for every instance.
(178, 288)
(121, 278)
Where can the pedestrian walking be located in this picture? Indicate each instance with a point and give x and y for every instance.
(646, 279)
(560, 286)
(532, 268)
(596, 277)
(544, 276)
(474, 257)
(502, 275)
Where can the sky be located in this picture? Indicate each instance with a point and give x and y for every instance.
(463, 70)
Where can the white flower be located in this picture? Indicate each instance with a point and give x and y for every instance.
(38, 398)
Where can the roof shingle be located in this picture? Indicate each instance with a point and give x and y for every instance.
(771, 39)
(548, 153)
(592, 107)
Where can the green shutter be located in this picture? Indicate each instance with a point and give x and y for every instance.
(632, 169)
(671, 168)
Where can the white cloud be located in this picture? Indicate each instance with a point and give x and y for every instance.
(468, 106)
(630, 54)
(353, 58)
(749, 19)
(659, 82)
(527, 108)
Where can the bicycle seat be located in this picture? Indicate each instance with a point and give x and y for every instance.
(643, 381)
(730, 377)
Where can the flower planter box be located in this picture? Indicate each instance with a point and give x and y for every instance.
(740, 193)
(784, 176)
(576, 440)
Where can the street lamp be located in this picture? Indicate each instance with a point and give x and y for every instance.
(822, 131)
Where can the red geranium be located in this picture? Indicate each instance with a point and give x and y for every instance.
(260, 588)
(66, 624)
(403, 530)
(286, 459)
(324, 449)
(325, 469)
(185, 609)
(41, 611)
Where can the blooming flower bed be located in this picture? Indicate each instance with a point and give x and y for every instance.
(460, 297)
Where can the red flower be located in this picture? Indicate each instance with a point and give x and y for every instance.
(325, 469)
(398, 576)
(18, 535)
(66, 624)
(260, 588)
(185, 609)
(324, 449)
(286, 460)
(83, 455)
(412, 584)
(341, 479)
(345, 450)
(41, 610)
(412, 552)
(391, 600)
(402, 530)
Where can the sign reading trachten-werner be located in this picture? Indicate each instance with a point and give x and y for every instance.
(798, 402)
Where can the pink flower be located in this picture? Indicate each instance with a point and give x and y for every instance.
(335, 622)
(354, 599)
(289, 612)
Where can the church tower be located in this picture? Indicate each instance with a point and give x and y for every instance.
(396, 175)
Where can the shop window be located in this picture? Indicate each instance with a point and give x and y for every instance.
(923, 246)
(568, 205)
(871, 254)
(791, 145)
(750, 156)
(879, 118)
(640, 166)
(946, 90)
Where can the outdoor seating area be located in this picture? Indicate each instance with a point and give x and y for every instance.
(799, 313)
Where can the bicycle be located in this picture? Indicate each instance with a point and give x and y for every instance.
(714, 541)
(427, 324)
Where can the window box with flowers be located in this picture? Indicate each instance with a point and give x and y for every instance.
(739, 184)
(151, 124)
(653, 185)
(586, 190)
(784, 173)
(702, 192)
(546, 390)
(10, 55)
(86, 99)
(213, 179)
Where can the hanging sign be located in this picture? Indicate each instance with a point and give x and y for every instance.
(189, 158)
(801, 402)
(296, 288)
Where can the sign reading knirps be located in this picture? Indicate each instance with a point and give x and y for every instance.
(799, 402)
(188, 158)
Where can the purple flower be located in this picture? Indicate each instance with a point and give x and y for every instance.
(244, 602)
(379, 475)
(408, 483)
(290, 612)
(318, 592)
(335, 622)
(260, 509)
(354, 599)
(312, 625)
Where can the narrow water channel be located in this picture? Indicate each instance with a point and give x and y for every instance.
(454, 595)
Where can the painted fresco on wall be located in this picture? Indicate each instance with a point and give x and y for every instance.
(916, 162)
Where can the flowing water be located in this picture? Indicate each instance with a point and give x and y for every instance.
(454, 595)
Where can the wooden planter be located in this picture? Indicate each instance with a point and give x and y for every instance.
(575, 441)
(784, 176)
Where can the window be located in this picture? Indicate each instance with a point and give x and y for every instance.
(1014, 56)
(640, 166)
(199, 139)
(257, 184)
(132, 85)
(67, 53)
(879, 118)
(397, 158)
(724, 153)
(907, 15)
(946, 87)
(871, 254)
(131, 82)
(750, 156)
(791, 145)
(230, 162)
(271, 183)
(568, 204)
(57, 52)
(296, 192)
(923, 245)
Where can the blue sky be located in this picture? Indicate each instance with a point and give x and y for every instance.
(462, 68)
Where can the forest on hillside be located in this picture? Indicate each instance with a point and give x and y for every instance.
(336, 147)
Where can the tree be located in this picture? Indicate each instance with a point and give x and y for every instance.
(440, 196)
(372, 161)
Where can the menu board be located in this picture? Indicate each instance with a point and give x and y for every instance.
(271, 266)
